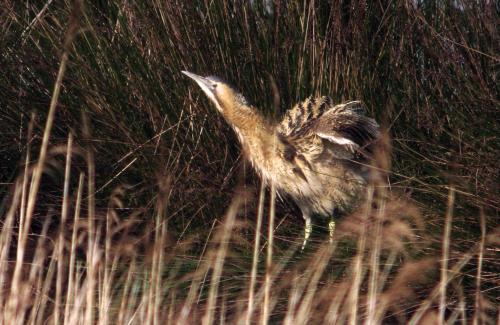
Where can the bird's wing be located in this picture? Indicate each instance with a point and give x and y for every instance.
(302, 114)
(345, 124)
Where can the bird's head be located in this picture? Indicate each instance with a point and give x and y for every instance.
(222, 94)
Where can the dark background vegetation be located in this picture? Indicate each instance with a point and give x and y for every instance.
(427, 71)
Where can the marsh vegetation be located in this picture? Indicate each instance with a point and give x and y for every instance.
(125, 198)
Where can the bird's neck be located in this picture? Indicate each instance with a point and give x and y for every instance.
(248, 123)
(255, 133)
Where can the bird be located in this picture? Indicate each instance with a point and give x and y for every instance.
(318, 154)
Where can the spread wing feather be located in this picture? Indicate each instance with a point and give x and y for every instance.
(302, 114)
(344, 124)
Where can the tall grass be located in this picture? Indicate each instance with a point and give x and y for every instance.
(125, 198)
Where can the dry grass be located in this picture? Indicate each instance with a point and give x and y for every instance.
(139, 277)
(118, 183)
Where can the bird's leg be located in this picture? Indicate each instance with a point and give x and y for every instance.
(331, 224)
(331, 230)
(307, 230)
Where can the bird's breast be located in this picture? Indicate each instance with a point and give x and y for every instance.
(322, 185)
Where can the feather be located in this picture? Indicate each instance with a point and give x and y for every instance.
(345, 124)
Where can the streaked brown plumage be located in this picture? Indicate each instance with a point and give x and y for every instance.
(318, 154)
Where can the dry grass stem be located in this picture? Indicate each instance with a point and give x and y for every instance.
(269, 259)
(255, 258)
(445, 255)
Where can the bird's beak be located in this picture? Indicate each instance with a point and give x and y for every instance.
(205, 84)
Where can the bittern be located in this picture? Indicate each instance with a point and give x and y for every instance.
(318, 154)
